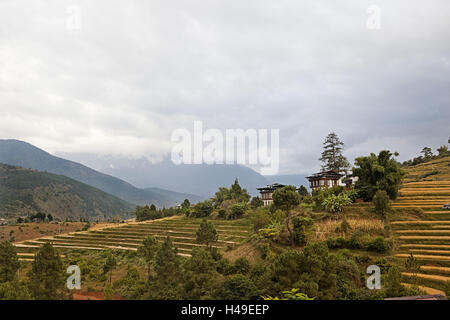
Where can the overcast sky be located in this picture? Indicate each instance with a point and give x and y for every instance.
(133, 71)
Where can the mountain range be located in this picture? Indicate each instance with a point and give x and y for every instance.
(23, 154)
(200, 179)
(139, 181)
(26, 192)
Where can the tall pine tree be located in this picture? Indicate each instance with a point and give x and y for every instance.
(332, 156)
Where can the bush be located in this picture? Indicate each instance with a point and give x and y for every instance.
(319, 195)
(222, 213)
(344, 227)
(335, 203)
(242, 266)
(379, 244)
(381, 202)
(447, 289)
(302, 226)
(260, 218)
(237, 210)
(202, 209)
(237, 287)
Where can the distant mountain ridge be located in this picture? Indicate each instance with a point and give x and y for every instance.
(26, 192)
(23, 154)
(201, 179)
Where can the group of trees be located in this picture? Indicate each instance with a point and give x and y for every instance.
(314, 272)
(375, 173)
(45, 280)
(38, 217)
(427, 155)
(228, 203)
(151, 212)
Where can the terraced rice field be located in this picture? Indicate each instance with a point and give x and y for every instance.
(129, 236)
(427, 239)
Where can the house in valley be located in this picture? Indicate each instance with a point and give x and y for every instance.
(267, 192)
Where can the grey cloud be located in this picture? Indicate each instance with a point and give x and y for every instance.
(137, 70)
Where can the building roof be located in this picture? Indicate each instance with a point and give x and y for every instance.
(271, 187)
(330, 174)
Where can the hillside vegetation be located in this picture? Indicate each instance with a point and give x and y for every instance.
(25, 192)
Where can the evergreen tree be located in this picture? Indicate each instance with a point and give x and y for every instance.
(186, 204)
(381, 202)
(110, 264)
(206, 233)
(9, 263)
(303, 192)
(412, 264)
(394, 287)
(148, 251)
(167, 284)
(46, 275)
(200, 275)
(332, 156)
(287, 198)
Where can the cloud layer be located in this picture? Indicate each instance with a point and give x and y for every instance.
(134, 71)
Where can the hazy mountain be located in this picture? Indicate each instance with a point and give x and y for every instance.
(19, 153)
(200, 179)
(25, 191)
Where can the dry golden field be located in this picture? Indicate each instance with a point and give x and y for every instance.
(329, 228)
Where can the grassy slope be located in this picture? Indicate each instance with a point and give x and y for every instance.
(24, 191)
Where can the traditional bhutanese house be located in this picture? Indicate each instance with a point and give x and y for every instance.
(325, 179)
(267, 192)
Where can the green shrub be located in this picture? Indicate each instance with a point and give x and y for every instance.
(336, 203)
(381, 202)
(379, 244)
(222, 213)
(202, 209)
(302, 226)
(356, 242)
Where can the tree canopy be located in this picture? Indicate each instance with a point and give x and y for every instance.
(375, 173)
